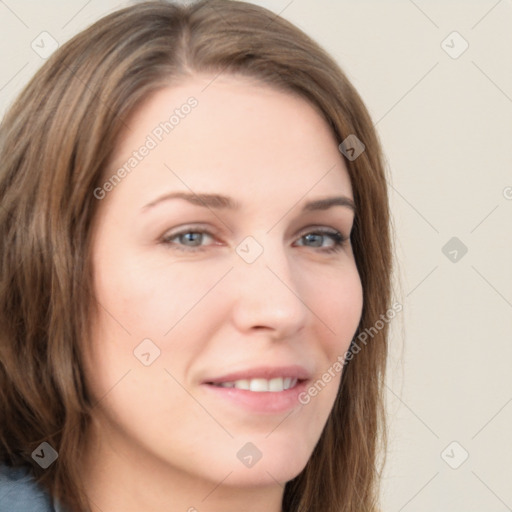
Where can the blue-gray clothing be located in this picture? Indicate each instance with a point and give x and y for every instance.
(19, 492)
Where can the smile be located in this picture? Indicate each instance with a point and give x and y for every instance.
(261, 385)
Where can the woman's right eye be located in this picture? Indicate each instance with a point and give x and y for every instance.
(187, 240)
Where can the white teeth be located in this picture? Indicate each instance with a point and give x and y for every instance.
(260, 385)
(242, 384)
(276, 384)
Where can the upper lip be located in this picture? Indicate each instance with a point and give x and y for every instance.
(263, 372)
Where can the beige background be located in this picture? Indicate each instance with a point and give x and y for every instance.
(446, 126)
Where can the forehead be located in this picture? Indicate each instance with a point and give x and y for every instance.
(233, 134)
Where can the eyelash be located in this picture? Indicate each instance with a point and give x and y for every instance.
(336, 236)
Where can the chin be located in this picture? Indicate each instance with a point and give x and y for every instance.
(263, 477)
(274, 467)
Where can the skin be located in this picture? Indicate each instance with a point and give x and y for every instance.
(160, 441)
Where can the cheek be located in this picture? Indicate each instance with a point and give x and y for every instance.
(162, 301)
(338, 303)
(150, 295)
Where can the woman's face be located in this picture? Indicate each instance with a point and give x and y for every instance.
(214, 267)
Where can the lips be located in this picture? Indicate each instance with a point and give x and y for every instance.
(261, 379)
(259, 390)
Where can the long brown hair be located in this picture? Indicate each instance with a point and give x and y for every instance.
(55, 142)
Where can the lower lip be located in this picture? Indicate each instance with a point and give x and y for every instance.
(272, 402)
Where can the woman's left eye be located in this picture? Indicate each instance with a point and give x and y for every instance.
(318, 238)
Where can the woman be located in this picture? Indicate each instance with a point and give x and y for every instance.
(195, 233)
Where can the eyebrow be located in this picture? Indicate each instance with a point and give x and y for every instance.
(217, 201)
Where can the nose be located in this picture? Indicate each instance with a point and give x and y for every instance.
(268, 295)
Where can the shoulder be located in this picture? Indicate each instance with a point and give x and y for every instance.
(20, 492)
